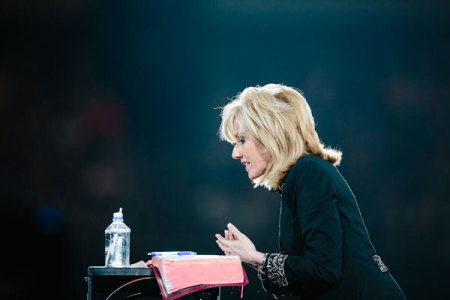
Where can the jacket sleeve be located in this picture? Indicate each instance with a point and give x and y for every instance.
(314, 196)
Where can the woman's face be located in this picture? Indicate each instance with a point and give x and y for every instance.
(252, 153)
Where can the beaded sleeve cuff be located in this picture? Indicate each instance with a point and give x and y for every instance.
(275, 269)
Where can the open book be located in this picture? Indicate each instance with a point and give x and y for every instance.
(181, 275)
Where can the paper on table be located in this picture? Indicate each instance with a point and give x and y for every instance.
(139, 264)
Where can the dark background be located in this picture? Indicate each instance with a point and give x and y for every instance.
(109, 104)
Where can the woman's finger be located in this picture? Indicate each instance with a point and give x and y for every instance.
(225, 242)
(235, 233)
(223, 247)
(228, 237)
(219, 237)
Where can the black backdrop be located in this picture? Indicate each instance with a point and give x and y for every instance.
(109, 104)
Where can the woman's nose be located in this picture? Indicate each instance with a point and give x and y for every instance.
(236, 154)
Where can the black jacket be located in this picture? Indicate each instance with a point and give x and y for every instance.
(325, 248)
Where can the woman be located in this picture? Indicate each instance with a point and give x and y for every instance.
(325, 250)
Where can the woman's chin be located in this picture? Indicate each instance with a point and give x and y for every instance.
(252, 176)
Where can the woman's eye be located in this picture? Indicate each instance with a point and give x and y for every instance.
(241, 141)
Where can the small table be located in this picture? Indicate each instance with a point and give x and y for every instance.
(131, 283)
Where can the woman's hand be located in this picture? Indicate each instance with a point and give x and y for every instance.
(229, 236)
(237, 243)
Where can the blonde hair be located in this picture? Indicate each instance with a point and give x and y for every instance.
(281, 119)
